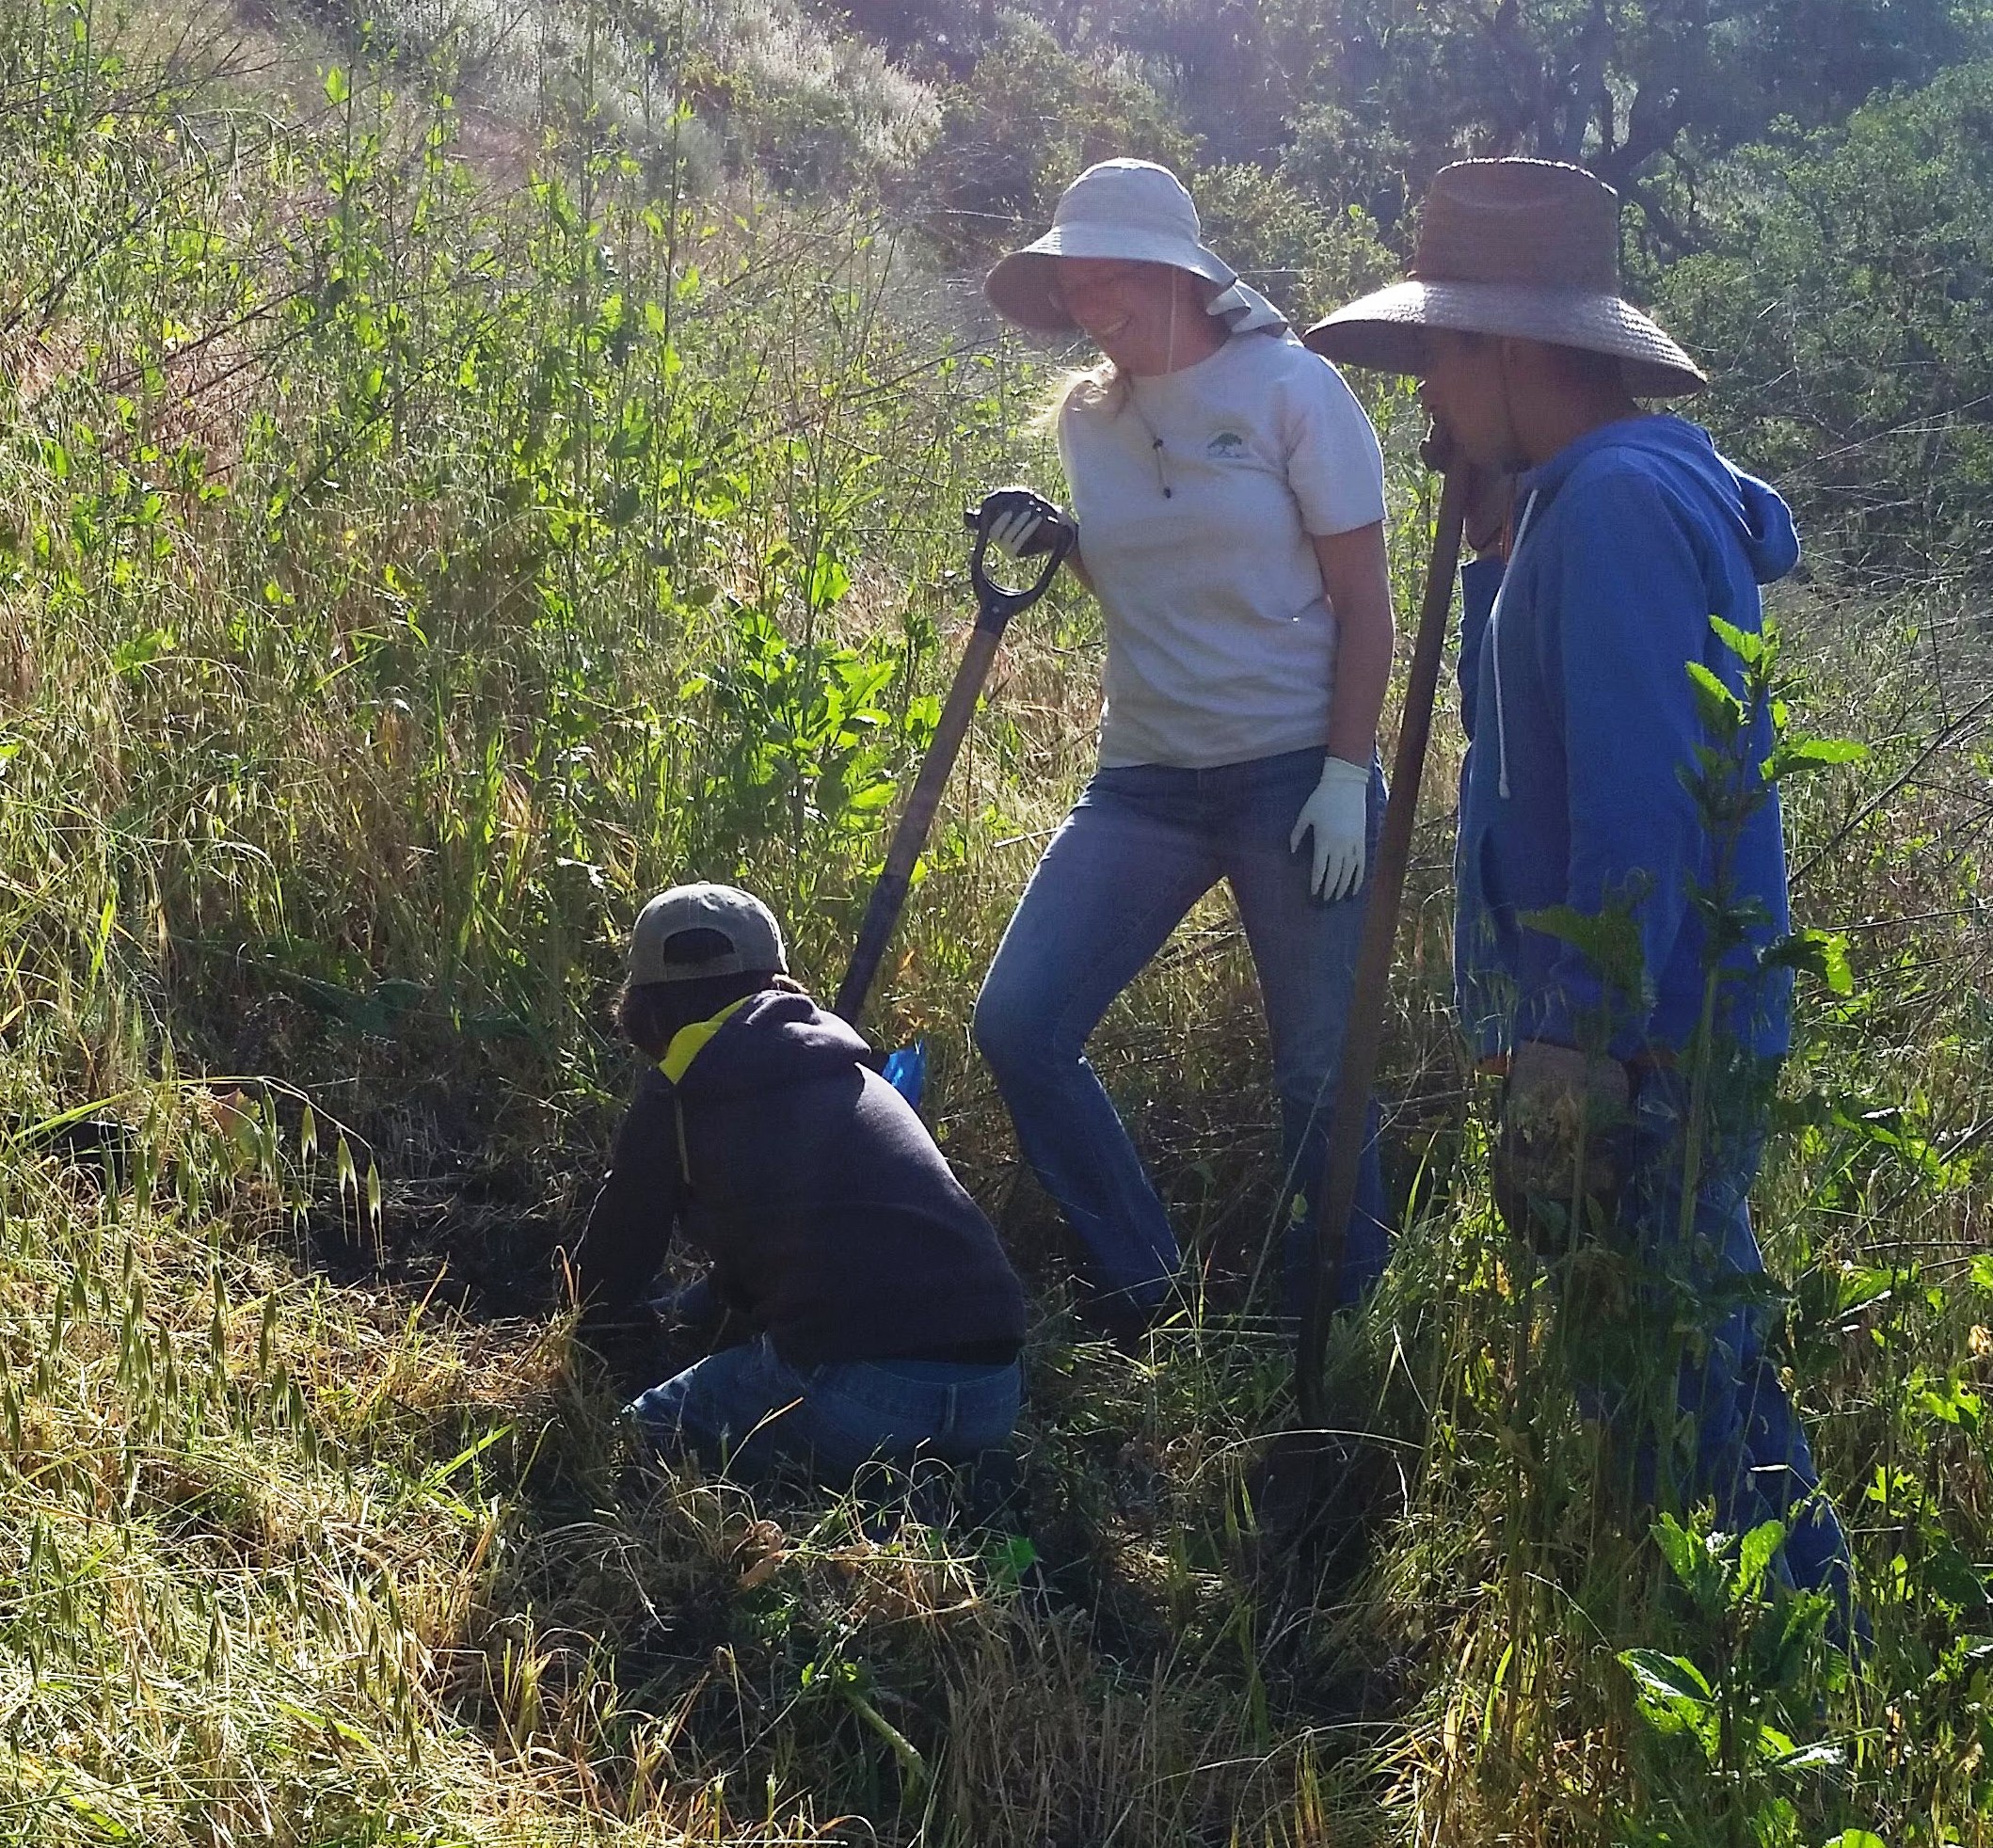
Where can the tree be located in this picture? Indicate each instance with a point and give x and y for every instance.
(1841, 313)
(1364, 98)
(1623, 85)
(928, 37)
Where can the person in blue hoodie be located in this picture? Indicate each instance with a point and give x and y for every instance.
(884, 1319)
(1639, 1056)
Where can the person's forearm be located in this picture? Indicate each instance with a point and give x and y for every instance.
(629, 1226)
(616, 1254)
(1363, 675)
(1354, 575)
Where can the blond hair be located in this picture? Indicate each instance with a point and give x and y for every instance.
(1082, 387)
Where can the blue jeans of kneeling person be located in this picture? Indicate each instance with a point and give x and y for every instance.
(747, 1410)
(1676, 1367)
(1140, 848)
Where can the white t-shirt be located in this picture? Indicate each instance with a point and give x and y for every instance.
(1220, 641)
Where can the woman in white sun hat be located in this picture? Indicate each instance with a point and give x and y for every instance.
(1228, 494)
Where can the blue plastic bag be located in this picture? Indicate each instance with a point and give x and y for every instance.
(906, 1071)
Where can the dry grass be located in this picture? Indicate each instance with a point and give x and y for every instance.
(339, 768)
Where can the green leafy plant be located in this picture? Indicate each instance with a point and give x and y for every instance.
(1732, 1726)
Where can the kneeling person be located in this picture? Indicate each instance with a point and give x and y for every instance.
(886, 1319)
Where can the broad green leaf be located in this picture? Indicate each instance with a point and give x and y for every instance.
(1793, 759)
(1672, 1677)
(1679, 1548)
(1672, 1694)
(828, 582)
(1720, 709)
(1755, 1555)
(1747, 646)
(132, 657)
(1772, 1746)
(1952, 1402)
(1949, 1575)
(1700, 1571)
(1823, 954)
(1609, 941)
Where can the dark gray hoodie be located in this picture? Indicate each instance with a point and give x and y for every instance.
(831, 1218)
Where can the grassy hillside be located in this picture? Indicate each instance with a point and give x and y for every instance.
(425, 533)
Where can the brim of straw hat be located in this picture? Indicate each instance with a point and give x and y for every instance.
(1382, 330)
(1021, 287)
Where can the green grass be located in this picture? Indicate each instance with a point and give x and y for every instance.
(411, 558)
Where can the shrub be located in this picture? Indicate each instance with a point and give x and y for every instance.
(1306, 256)
(1028, 121)
(1843, 316)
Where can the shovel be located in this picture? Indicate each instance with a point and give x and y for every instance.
(995, 606)
(1304, 1465)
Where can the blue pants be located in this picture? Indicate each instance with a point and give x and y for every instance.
(1141, 846)
(747, 1410)
(1676, 1368)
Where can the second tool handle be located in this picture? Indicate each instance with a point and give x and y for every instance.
(1364, 1031)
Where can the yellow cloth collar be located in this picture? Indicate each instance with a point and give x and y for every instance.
(688, 1043)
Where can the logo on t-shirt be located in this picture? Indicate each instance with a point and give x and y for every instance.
(1227, 446)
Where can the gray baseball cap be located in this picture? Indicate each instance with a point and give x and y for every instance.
(739, 917)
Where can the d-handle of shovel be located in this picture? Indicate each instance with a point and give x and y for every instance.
(993, 602)
(995, 606)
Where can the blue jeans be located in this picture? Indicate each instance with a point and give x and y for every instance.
(1141, 846)
(746, 1410)
(1676, 1365)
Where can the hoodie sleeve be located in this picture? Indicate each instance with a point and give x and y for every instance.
(1630, 610)
(629, 1227)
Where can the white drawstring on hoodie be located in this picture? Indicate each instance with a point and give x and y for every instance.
(1494, 643)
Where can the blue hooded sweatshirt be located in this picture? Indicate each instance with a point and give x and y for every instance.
(1582, 726)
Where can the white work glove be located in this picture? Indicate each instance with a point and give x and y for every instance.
(1011, 532)
(1018, 523)
(1339, 812)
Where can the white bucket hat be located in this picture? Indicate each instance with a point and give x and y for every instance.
(1133, 210)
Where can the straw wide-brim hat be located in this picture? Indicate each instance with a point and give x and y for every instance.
(1134, 210)
(1528, 249)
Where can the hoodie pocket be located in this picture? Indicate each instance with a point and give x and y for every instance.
(1489, 935)
(1486, 945)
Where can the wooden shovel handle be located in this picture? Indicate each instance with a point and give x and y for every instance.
(995, 606)
(1365, 1028)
